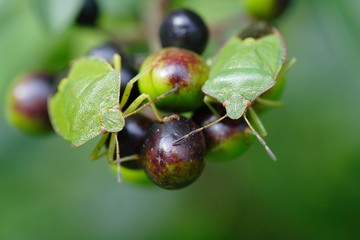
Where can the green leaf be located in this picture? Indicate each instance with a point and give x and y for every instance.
(87, 101)
(243, 70)
(56, 15)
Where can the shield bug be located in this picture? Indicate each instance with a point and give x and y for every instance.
(87, 105)
(246, 67)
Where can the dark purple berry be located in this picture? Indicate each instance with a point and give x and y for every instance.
(130, 140)
(106, 51)
(184, 28)
(168, 165)
(132, 137)
(27, 105)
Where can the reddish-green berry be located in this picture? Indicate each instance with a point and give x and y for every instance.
(174, 68)
(27, 103)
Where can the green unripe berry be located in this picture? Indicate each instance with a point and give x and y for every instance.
(267, 9)
(132, 175)
(171, 68)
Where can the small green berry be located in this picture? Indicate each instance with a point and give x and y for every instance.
(267, 9)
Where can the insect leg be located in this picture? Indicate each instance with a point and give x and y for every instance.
(118, 162)
(129, 158)
(111, 149)
(270, 103)
(199, 129)
(130, 85)
(95, 153)
(286, 66)
(117, 62)
(208, 101)
(257, 122)
(133, 108)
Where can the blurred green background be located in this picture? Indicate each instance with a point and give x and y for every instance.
(51, 191)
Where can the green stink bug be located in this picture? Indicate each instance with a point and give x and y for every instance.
(87, 105)
(246, 67)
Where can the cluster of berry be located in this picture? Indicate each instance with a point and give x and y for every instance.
(172, 77)
(170, 150)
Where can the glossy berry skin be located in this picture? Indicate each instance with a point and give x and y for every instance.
(184, 28)
(267, 9)
(88, 14)
(107, 51)
(173, 166)
(27, 103)
(133, 135)
(131, 138)
(170, 68)
(225, 140)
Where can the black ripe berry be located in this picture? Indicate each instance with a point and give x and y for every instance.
(168, 165)
(88, 14)
(184, 29)
(107, 51)
(27, 103)
(132, 137)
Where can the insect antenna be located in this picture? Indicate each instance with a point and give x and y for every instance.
(262, 141)
(118, 159)
(199, 129)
